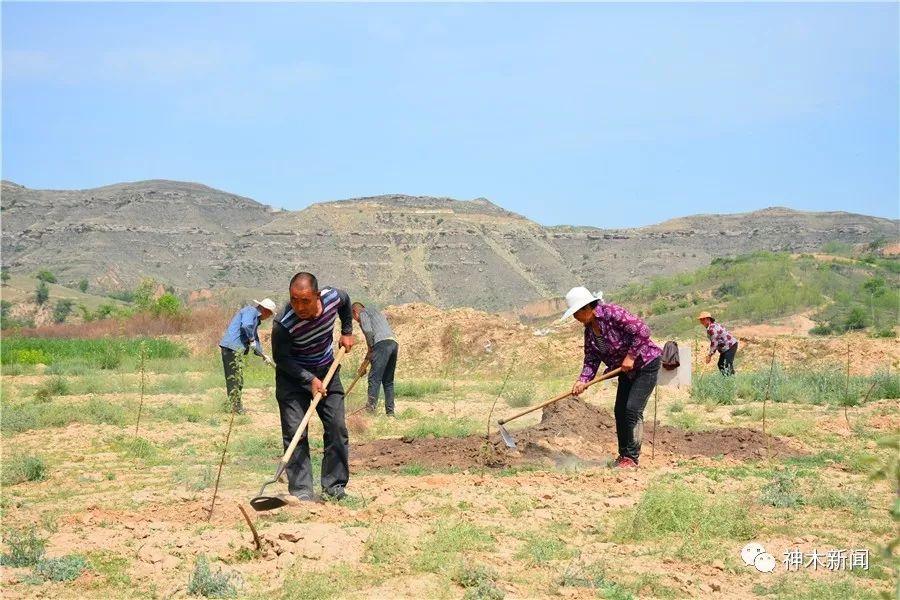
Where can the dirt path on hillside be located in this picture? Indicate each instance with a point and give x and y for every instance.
(570, 432)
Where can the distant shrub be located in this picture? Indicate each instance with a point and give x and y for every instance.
(856, 319)
(821, 329)
(62, 310)
(83, 285)
(4, 274)
(46, 276)
(42, 292)
(885, 333)
(168, 305)
(29, 357)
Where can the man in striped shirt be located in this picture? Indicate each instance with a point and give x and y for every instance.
(302, 338)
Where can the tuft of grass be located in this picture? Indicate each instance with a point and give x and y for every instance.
(479, 581)
(688, 421)
(539, 549)
(51, 388)
(447, 540)
(519, 393)
(24, 547)
(17, 469)
(383, 548)
(195, 479)
(593, 576)
(64, 568)
(675, 407)
(211, 584)
(112, 567)
(781, 491)
(135, 447)
(333, 583)
(830, 499)
(418, 388)
(810, 589)
(792, 427)
(672, 511)
(442, 426)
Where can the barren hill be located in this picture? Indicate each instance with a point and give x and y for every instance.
(389, 249)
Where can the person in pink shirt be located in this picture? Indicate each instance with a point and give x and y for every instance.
(617, 338)
(721, 341)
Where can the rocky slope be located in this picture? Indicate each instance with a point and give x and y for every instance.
(389, 249)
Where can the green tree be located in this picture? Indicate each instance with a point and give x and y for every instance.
(856, 319)
(143, 294)
(62, 310)
(167, 305)
(42, 293)
(83, 285)
(4, 274)
(45, 275)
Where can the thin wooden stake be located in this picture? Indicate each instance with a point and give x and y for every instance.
(212, 506)
(847, 388)
(137, 424)
(655, 423)
(766, 398)
(256, 539)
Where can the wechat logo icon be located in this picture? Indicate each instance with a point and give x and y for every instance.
(753, 554)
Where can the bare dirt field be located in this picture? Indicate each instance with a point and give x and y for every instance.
(438, 507)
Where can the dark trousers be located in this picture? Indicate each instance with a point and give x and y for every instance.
(726, 360)
(294, 399)
(381, 374)
(233, 364)
(631, 398)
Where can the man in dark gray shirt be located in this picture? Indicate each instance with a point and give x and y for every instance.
(382, 355)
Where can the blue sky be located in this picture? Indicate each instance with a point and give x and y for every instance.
(603, 114)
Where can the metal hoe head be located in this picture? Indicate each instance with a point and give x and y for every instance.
(262, 502)
(507, 437)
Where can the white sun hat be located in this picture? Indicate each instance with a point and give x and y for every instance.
(578, 298)
(267, 303)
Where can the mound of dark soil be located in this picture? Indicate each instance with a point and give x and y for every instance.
(570, 422)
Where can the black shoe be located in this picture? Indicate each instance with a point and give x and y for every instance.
(335, 493)
(303, 496)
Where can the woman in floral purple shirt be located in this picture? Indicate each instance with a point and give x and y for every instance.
(721, 341)
(617, 338)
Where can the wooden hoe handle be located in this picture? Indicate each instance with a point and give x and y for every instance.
(604, 377)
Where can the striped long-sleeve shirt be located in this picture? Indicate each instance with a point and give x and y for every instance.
(300, 346)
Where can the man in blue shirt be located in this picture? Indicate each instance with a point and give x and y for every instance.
(242, 335)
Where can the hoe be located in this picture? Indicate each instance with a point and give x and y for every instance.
(508, 438)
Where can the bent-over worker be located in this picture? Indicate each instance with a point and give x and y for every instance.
(721, 341)
(242, 335)
(302, 337)
(382, 356)
(617, 338)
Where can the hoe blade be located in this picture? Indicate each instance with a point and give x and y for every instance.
(261, 503)
(507, 437)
